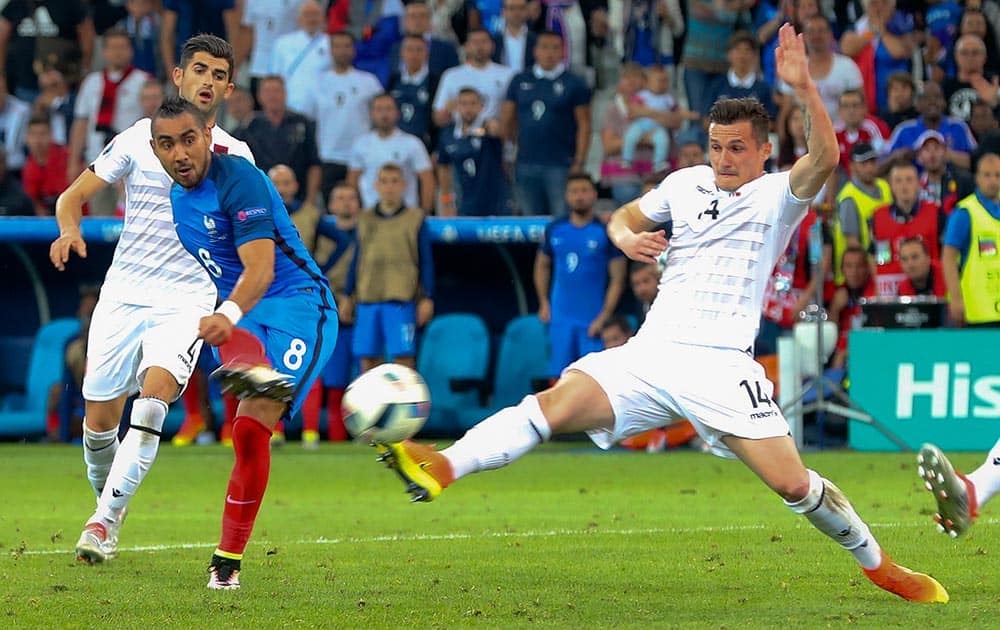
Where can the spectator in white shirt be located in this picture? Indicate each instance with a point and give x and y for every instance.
(107, 104)
(387, 143)
(340, 109)
(55, 102)
(14, 115)
(301, 56)
(263, 22)
(478, 72)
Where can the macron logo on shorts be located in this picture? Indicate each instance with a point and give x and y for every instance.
(250, 213)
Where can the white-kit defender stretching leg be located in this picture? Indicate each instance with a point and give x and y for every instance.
(731, 222)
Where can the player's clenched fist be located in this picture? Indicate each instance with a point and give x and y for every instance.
(643, 246)
(62, 246)
(215, 329)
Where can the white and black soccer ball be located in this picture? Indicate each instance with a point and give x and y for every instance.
(386, 404)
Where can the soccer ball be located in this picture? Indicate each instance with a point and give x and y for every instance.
(386, 404)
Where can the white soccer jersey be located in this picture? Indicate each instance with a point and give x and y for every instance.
(339, 105)
(150, 267)
(491, 82)
(403, 149)
(722, 252)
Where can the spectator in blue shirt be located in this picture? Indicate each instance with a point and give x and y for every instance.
(413, 86)
(470, 162)
(742, 79)
(547, 113)
(579, 277)
(931, 104)
(182, 19)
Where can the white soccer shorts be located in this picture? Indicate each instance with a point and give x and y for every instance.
(127, 339)
(722, 391)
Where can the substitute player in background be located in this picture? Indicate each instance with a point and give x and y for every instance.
(230, 217)
(691, 358)
(144, 332)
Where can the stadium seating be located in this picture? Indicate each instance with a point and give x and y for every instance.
(522, 358)
(455, 347)
(24, 415)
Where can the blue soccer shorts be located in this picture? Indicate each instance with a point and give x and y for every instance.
(385, 328)
(568, 341)
(299, 334)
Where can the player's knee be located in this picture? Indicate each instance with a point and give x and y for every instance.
(104, 415)
(803, 489)
(265, 410)
(794, 489)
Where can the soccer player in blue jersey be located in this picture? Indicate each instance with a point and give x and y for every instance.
(229, 216)
(586, 274)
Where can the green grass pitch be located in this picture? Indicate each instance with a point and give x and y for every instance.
(567, 537)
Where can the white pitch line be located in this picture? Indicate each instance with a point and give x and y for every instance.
(551, 533)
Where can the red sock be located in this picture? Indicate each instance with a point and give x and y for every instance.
(251, 444)
(230, 405)
(311, 406)
(335, 415)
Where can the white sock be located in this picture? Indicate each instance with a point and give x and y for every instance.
(499, 439)
(136, 455)
(986, 478)
(99, 448)
(826, 507)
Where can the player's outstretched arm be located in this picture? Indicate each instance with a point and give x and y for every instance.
(69, 213)
(628, 230)
(810, 171)
(257, 257)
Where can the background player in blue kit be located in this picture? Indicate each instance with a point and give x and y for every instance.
(585, 272)
(229, 216)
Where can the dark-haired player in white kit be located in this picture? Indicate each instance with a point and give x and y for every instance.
(144, 334)
(731, 222)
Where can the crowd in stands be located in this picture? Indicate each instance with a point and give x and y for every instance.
(487, 107)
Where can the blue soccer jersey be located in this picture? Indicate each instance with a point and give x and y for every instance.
(296, 319)
(235, 204)
(580, 257)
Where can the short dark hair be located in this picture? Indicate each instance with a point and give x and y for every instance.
(40, 119)
(116, 31)
(174, 107)
(210, 44)
(346, 34)
(913, 240)
(618, 321)
(853, 249)
(380, 96)
(742, 37)
(580, 176)
(729, 111)
(391, 167)
(471, 90)
(903, 78)
(547, 33)
(853, 92)
(419, 38)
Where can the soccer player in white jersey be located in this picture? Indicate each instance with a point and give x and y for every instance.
(144, 334)
(731, 223)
